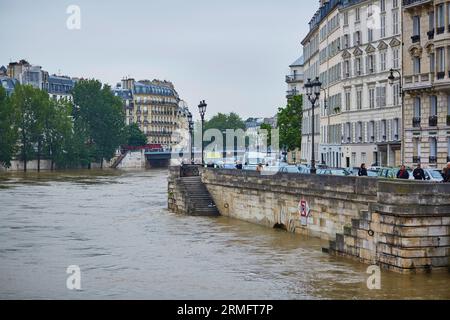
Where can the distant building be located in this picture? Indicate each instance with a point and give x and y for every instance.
(8, 84)
(60, 87)
(295, 80)
(155, 108)
(27, 74)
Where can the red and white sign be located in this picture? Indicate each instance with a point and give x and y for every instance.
(303, 208)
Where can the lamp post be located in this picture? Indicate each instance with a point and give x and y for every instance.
(313, 94)
(191, 131)
(392, 79)
(202, 109)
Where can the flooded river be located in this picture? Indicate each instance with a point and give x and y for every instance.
(114, 225)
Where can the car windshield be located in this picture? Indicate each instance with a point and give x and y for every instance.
(436, 174)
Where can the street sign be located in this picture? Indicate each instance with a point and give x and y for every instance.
(304, 209)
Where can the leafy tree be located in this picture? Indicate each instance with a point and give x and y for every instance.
(100, 115)
(58, 131)
(136, 138)
(223, 122)
(31, 105)
(290, 124)
(8, 129)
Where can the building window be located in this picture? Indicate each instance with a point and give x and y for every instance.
(371, 64)
(395, 19)
(416, 26)
(448, 149)
(440, 19)
(371, 98)
(396, 129)
(346, 18)
(370, 35)
(433, 150)
(348, 97)
(359, 132)
(432, 62)
(357, 38)
(358, 14)
(359, 98)
(433, 106)
(358, 66)
(381, 96)
(416, 65)
(396, 94)
(396, 54)
(382, 61)
(383, 5)
(440, 63)
(383, 130)
(383, 26)
(371, 131)
(416, 150)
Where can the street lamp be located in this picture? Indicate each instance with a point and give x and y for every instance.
(202, 109)
(313, 93)
(391, 80)
(191, 131)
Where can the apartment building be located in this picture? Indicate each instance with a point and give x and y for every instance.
(295, 80)
(155, 108)
(351, 47)
(426, 74)
(371, 113)
(311, 70)
(28, 74)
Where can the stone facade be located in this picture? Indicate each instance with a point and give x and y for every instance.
(401, 226)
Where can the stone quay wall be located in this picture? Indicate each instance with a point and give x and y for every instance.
(403, 226)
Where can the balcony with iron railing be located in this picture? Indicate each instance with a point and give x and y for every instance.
(416, 122)
(416, 159)
(412, 3)
(295, 78)
(415, 38)
(433, 159)
(292, 93)
(430, 34)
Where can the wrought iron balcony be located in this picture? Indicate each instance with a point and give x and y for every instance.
(415, 38)
(412, 3)
(416, 122)
(440, 75)
(292, 93)
(440, 30)
(433, 121)
(295, 78)
(416, 159)
(430, 34)
(433, 160)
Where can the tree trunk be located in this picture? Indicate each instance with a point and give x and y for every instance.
(39, 156)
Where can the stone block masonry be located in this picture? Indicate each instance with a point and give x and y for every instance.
(401, 226)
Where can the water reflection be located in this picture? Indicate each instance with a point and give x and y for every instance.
(114, 225)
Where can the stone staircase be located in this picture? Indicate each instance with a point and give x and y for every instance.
(119, 160)
(199, 201)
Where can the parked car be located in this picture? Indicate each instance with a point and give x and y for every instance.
(391, 173)
(290, 169)
(433, 175)
(334, 172)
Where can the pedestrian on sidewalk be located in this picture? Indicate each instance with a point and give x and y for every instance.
(260, 168)
(446, 173)
(418, 173)
(403, 173)
(362, 171)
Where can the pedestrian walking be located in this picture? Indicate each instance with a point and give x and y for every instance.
(362, 171)
(418, 173)
(446, 173)
(403, 173)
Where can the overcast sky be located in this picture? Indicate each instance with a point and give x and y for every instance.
(234, 53)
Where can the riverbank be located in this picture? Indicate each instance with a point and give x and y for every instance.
(115, 226)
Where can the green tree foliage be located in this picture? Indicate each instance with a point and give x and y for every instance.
(31, 106)
(100, 116)
(136, 138)
(223, 122)
(8, 129)
(290, 124)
